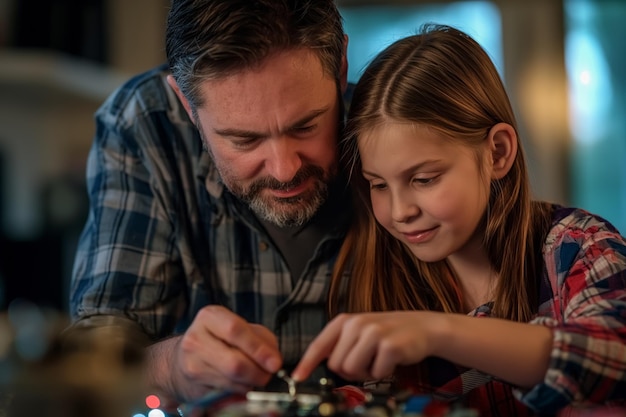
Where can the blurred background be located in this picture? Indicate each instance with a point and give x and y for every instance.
(562, 61)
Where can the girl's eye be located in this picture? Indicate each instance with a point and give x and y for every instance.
(425, 181)
(378, 186)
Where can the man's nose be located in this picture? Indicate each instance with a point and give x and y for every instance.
(284, 159)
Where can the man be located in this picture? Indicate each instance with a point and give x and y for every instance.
(217, 208)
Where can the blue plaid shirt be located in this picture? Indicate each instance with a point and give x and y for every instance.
(164, 238)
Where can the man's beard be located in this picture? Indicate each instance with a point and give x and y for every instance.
(287, 211)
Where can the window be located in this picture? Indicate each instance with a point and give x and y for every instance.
(371, 28)
(596, 66)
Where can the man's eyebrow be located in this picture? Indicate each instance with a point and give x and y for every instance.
(308, 118)
(243, 133)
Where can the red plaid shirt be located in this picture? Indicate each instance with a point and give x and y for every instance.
(583, 300)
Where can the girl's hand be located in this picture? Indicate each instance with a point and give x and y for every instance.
(370, 345)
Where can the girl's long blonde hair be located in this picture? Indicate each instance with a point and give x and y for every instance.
(441, 78)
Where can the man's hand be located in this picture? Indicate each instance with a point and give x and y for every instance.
(220, 350)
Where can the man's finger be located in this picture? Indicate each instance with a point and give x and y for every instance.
(265, 333)
(260, 346)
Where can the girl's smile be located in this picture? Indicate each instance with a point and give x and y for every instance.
(420, 236)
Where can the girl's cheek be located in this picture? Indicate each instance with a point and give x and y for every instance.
(381, 211)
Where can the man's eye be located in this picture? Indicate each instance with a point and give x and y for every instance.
(304, 129)
(245, 143)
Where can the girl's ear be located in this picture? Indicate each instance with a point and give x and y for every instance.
(502, 140)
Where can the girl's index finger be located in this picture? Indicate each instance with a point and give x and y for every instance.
(319, 349)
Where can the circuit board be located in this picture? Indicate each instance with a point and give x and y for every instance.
(327, 401)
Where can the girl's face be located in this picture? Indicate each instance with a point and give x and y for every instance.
(426, 190)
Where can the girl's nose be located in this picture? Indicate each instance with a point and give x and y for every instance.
(403, 208)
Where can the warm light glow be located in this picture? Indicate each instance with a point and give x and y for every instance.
(152, 401)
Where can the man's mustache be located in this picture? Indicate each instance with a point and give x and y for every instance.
(273, 184)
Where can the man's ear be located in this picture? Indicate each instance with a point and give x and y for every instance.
(172, 82)
(343, 71)
(503, 145)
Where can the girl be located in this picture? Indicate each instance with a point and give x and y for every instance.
(453, 281)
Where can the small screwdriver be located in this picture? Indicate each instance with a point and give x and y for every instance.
(282, 374)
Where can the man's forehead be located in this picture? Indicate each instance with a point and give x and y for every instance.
(292, 69)
(256, 99)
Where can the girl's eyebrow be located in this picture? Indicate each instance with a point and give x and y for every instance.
(412, 168)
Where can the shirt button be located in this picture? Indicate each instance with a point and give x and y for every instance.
(263, 246)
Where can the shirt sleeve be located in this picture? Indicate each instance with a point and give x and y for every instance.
(586, 267)
(127, 264)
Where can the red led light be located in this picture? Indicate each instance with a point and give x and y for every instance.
(152, 401)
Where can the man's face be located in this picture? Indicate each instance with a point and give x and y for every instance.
(273, 133)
